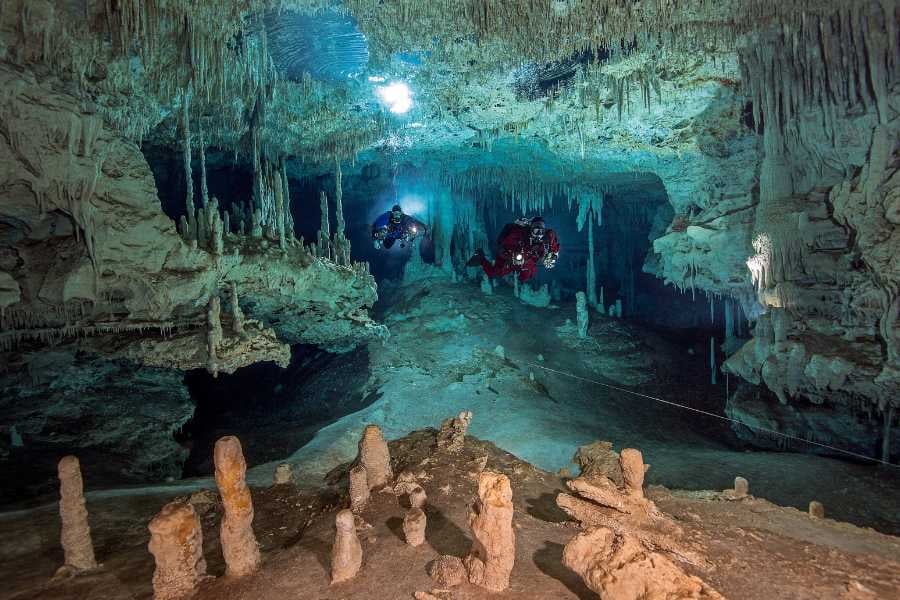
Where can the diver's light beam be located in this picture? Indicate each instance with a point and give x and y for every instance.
(395, 96)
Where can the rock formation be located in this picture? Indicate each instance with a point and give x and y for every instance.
(816, 509)
(283, 474)
(359, 488)
(238, 541)
(347, 553)
(581, 314)
(447, 571)
(375, 457)
(78, 549)
(741, 488)
(493, 553)
(619, 567)
(599, 460)
(452, 436)
(176, 543)
(633, 470)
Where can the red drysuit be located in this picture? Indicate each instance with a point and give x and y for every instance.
(516, 239)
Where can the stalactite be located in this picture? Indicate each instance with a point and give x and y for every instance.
(204, 190)
(324, 242)
(591, 269)
(186, 149)
(279, 211)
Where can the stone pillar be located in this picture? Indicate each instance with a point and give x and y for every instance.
(238, 542)
(359, 488)
(78, 548)
(375, 457)
(493, 553)
(283, 474)
(633, 469)
(346, 554)
(176, 543)
(817, 510)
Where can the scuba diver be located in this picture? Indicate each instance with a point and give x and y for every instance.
(521, 245)
(394, 225)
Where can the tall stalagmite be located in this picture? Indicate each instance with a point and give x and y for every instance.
(347, 552)
(238, 541)
(375, 457)
(78, 548)
(176, 543)
(493, 553)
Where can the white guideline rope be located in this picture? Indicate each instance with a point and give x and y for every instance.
(722, 417)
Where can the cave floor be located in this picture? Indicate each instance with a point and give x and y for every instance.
(800, 557)
(441, 360)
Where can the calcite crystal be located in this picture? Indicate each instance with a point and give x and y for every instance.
(375, 457)
(617, 567)
(493, 553)
(238, 541)
(452, 436)
(78, 549)
(347, 553)
(359, 488)
(176, 543)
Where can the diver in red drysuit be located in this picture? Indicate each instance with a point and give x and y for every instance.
(521, 245)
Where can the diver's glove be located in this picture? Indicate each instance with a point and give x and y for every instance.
(550, 259)
(380, 233)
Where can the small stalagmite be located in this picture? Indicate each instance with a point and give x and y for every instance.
(493, 553)
(414, 524)
(447, 571)
(78, 548)
(375, 457)
(238, 541)
(283, 474)
(176, 543)
(633, 470)
(359, 488)
(418, 498)
(817, 510)
(346, 554)
(741, 488)
(452, 436)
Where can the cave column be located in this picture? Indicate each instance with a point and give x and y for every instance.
(886, 438)
(188, 176)
(591, 270)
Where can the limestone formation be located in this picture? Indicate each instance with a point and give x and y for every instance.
(447, 571)
(599, 460)
(633, 470)
(493, 553)
(417, 498)
(816, 509)
(78, 549)
(414, 524)
(347, 552)
(176, 543)
(618, 567)
(283, 474)
(375, 457)
(238, 541)
(359, 488)
(452, 436)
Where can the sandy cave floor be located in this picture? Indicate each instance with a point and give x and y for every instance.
(438, 363)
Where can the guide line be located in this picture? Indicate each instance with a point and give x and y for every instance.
(721, 417)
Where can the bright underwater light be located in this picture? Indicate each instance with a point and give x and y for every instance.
(395, 96)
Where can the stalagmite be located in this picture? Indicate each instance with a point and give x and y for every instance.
(741, 487)
(375, 457)
(238, 541)
(346, 554)
(633, 470)
(204, 190)
(78, 549)
(280, 220)
(341, 243)
(493, 553)
(816, 509)
(213, 334)
(418, 497)
(359, 488)
(581, 313)
(283, 474)
(237, 315)
(712, 361)
(886, 434)
(176, 543)
(414, 524)
(324, 243)
(452, 436)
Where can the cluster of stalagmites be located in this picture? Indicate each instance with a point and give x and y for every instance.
(622, 552)
(625, 551)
